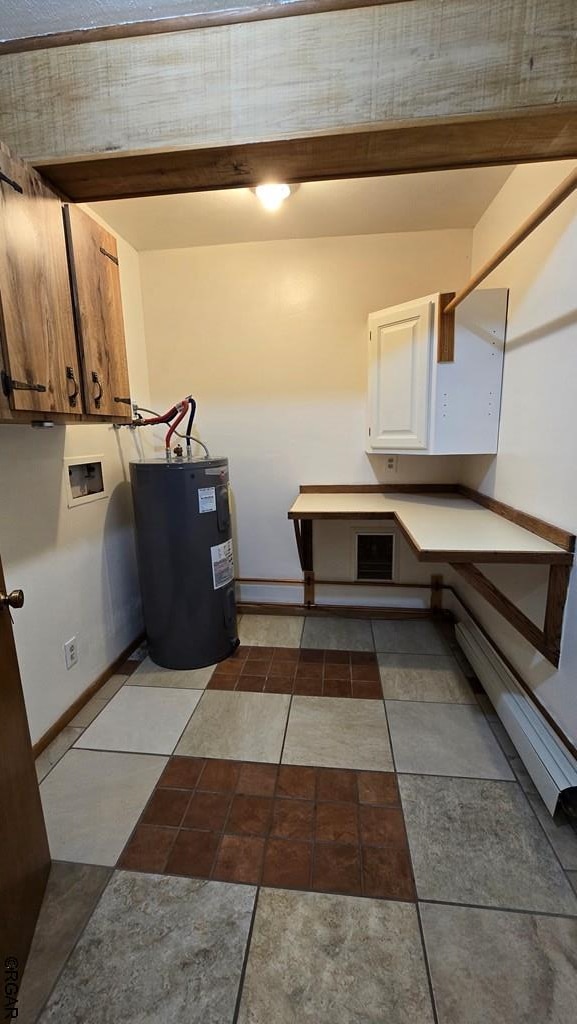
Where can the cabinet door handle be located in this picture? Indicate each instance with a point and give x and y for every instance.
(110, 255)
(13, 184)
(124, 401)
(97, 397)
(70, 376)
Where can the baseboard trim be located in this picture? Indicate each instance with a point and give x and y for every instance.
(348, 611)
(84, 697)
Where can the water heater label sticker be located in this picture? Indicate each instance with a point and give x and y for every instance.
(222, 564)
(207, 499)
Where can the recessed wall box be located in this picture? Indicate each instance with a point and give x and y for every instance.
(85, 481)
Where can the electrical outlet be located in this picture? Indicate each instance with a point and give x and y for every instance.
(71, 652)
(392, 463)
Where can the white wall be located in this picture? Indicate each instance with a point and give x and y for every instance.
(271, 339)
(76, 566)
(535, 469)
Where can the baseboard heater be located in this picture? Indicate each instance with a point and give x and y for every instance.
(549, 764)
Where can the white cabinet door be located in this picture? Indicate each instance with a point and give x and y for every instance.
(400, 345)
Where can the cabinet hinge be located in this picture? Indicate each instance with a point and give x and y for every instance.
(13, 184)
(9, 385)
(109, 255)
(369, 431)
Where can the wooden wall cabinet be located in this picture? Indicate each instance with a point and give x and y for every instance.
(62, 352)
(40, 365)
(97, 301)
(423, 406)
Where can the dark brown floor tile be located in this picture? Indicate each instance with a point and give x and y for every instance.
(337, 823)
(219, 776)
(387, 873)
(366, 673)
(284, 669)
(207, 810)
(314, 670)
(255, 668)
(166, 807)
(148, 849)
(239, 859)
(308, 687)
(378, 788)
(338, 672)
(382, 826)
(337, 869)
(279, 684)
(296, 781)
(229, 682)
(241, 653)
(257, 779)
(337, 785)
(337, 688)
(228, 668)
(253, 684)
(367, 690)
(285, 655)
(250, 815)
(309, 655)
(363, 658)
(293, 819)
(193, 853)
(182, 772)
(260, 654)
(337, 658)
(287, 864)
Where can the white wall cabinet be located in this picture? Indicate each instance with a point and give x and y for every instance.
(422, 406)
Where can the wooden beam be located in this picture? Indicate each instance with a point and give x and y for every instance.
(536, 637)
(555, 609)
(558, 196)
(543, 710)
(458, 143)
(554, 534)
(206, 13)
(405, 65)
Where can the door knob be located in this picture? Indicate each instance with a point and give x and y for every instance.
(15, 599)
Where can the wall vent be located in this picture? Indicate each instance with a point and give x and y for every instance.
(375, 556)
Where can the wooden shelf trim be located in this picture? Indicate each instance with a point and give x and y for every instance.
(558, 196)
(546, 640)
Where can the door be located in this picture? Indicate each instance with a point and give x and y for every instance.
(39, 345)
(25, 860)
(95, 276)
(400, 345)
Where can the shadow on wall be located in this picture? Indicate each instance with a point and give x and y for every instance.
(31, 490)
(120, 589)
(543, 330)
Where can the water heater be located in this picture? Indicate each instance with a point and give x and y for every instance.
(185, 560)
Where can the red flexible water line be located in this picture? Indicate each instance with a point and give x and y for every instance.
(183, 406)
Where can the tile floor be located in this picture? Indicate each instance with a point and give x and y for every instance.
(332, 827)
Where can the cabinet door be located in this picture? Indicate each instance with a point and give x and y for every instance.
(400, 345)
(97, 301)
(40, 360)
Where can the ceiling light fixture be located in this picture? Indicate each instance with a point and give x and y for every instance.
(272, 196)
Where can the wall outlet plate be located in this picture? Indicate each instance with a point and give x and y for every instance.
(71, 652)
(392, 463)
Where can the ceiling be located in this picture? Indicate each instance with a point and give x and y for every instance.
(22, 18)
(357, 206)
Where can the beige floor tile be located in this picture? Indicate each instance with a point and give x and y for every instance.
(55, 750)
(147, 720)
(338, 732)
(444, 739)
(426, 677)
(92, 800)
(149, 674)
(271, 630)
(244, 726)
